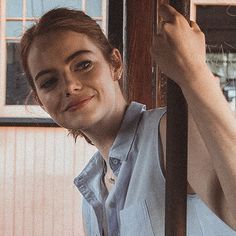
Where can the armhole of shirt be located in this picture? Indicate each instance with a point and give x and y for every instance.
(161, 149)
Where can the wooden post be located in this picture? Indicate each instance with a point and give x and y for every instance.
(131, 29)
(176, 151)
(115, 23)
(138, 31)
(140, 85)
(115, 33)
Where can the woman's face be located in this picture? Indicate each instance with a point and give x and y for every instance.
(74, 82)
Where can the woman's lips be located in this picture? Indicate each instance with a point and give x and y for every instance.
(78, 104)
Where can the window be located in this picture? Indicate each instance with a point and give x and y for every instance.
(217, 19)
(16, 16)
(223, 65)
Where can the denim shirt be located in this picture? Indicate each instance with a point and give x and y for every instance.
(136, 204)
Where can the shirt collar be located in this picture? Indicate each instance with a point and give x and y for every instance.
(119, 150)
(90, 176)
(126, 134)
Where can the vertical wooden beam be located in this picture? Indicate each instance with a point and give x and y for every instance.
(138, 30)
(115, 32)
(140, 85)
(115, 23)
(176, 152)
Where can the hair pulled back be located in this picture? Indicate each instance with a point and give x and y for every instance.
(63, 19)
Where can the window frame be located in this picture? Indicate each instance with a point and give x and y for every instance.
(26, 115)
(193, 9)
(195, 3)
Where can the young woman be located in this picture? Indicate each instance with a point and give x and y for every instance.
(74, 74)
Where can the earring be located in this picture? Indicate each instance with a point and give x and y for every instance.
(120, 75)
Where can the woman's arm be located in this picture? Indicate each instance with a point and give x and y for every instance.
(179, 50)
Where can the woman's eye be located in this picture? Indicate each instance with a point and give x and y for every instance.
(48, 83)
(84, 65)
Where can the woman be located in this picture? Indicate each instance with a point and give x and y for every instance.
(74, 73)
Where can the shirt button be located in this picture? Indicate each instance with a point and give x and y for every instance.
(114, 164)
(115, 161)
(112, 205)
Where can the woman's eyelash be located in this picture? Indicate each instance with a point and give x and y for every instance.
(83, 65)
(48, 83)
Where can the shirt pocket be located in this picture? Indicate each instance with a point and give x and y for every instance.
(135, 220)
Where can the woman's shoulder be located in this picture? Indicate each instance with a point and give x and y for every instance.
(154, 114)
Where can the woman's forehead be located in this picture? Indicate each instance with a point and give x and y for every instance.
(62, 43)
(65, 38)
(54, 48)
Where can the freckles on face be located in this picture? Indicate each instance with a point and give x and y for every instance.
(72, 65)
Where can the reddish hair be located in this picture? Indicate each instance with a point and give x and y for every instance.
(63, 19)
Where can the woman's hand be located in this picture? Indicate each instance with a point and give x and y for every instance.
(179, 47)
(179, 50)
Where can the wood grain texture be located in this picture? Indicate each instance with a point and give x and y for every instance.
(176, 150)
(138, 31)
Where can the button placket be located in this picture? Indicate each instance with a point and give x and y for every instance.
(112, 204)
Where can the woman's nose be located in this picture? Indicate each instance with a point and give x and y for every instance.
(72, 86)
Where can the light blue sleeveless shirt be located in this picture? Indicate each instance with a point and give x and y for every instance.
(136, 204)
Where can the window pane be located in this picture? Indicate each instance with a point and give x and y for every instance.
(223, 65)
(28, 24)
(34, 8)
(94, 8)
(14, 28)
(218, 64)
(232, 65)
(37, 8)
(76, 4)
(14, 8)
(229, 88)
(17, 88)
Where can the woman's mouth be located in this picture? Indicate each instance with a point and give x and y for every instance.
(78, 104)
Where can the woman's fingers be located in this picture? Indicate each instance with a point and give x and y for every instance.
(170, 18)
(177, 44)
(194, 26)
(160, 27)
(168, 13)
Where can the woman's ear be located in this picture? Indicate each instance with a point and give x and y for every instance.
(117, 65)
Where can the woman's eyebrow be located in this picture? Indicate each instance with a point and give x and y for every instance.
(75, 54)
(67, 60)
(43, 72)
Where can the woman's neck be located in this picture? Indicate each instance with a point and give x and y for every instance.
(103, 134)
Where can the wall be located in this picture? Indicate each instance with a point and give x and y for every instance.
(37, 195)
